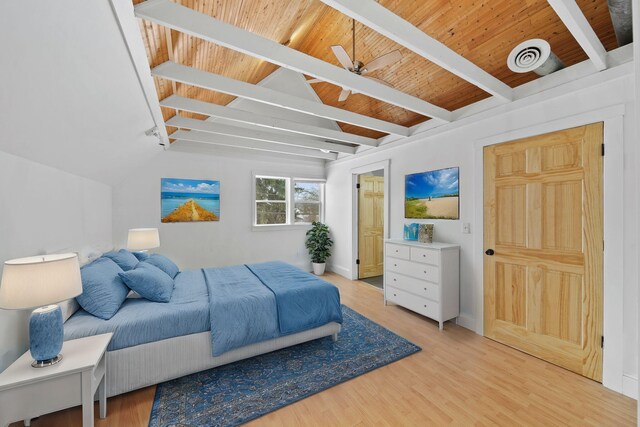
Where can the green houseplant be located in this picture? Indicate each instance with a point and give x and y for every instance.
(319, 243)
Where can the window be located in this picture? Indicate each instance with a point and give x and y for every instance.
(307, 198)
(283, 200)
(272, 200)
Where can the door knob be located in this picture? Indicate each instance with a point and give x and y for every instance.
(490, 252)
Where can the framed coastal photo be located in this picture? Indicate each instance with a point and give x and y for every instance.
(189, 200)
(432, 195)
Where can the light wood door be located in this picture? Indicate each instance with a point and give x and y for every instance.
(543, 220)
(371, 226)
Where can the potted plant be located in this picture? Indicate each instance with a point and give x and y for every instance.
(318, 244)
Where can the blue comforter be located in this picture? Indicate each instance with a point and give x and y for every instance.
(304, 301)
(257, 302)
(242, 310)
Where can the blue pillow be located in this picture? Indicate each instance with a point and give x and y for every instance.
(164, 264)
(103, 292)
(125, 259)
(149, 282)
(142, 256)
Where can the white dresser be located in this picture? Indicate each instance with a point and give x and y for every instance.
(423, 277)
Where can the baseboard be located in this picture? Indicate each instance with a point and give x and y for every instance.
(630, 386)
(342, 271)
(466, 321)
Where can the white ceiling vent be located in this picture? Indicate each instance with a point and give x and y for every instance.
(534, 55)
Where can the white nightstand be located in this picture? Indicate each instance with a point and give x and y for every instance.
(27, 392)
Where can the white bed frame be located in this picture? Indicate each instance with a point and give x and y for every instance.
(136, 367)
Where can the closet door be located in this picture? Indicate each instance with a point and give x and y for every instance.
(543, 237)
(371, 226)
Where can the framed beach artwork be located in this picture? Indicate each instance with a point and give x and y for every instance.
(432, 195)
(189, 200)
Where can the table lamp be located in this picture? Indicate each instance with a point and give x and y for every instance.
(41, 281)
(142, 239)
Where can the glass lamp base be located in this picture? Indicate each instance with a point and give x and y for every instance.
(45, 363)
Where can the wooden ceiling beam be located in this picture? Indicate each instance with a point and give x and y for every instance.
(240, 116)
(221, 129)
(194, 77)
(236, 142)
(575, 21)
(390, 25)
(189, 21)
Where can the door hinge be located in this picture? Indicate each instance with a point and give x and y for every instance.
(357, 262)
(358, 186)
(602, 341)
(603, 149)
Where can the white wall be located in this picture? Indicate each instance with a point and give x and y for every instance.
(456, 148)
(136, 203)
(232, 240)
(45, 210)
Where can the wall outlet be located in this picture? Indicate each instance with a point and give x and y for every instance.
(466, 228)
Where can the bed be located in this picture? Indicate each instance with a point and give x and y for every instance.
(215, 316)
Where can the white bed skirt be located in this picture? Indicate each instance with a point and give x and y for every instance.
(136, 367)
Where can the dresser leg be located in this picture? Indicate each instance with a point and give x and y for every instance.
(334, 337)
(441, 325)
(27, 422)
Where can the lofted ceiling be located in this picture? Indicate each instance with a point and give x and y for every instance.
(482, 31)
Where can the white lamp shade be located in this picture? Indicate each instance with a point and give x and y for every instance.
(143, 238)
(40, 280)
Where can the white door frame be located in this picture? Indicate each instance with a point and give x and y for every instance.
(613, 118)
(384, 165)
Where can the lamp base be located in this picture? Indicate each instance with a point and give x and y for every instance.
(45, 363)
(46, 335)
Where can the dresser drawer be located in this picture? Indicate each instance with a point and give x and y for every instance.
(427, 256)
(419, 305)
(414, 269)
(422, 288)
(397, 251)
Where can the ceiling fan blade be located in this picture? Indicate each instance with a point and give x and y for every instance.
(342, 56)
(312, 81)
(383, 61)
(344, 95)
(379, 81)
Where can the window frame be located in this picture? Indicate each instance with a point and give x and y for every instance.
(289, 200)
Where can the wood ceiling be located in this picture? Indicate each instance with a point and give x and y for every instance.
(482, 31)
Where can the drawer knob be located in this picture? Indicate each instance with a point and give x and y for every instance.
(395, 295)
(425, 289)
(425, 306)
(395, 280)
(424, 255)
(396, 251)
(425, 272)
(395, 265)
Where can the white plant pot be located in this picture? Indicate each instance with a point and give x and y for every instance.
(318, 268)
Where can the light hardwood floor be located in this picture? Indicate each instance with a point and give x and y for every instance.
(459, 378)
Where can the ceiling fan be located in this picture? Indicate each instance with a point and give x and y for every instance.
(358, 67)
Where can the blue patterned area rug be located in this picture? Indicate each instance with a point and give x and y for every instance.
(239, 392)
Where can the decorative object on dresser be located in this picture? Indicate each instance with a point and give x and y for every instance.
(411, 231)
(425, 233)
(27, 393)
(423, 277)
(432, 195)
(319, 245)
(41, 281)
(143, 239)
